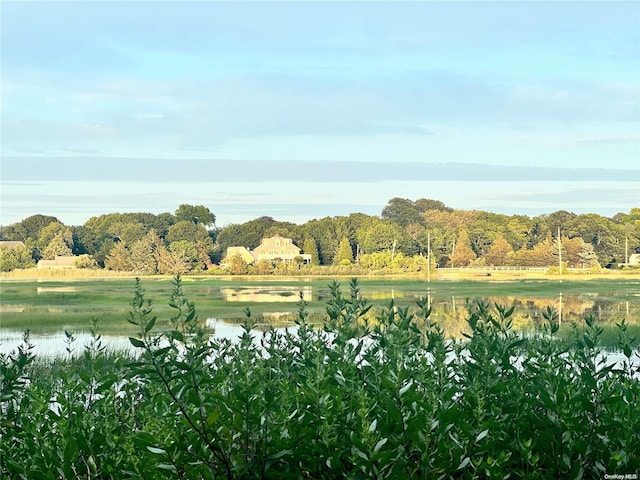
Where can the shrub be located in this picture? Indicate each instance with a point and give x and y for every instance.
(371, 394)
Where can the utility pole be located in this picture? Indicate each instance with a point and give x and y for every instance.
(559, 251)
(428, 257)
(626, 251)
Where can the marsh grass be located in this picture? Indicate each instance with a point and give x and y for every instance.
(72, 303)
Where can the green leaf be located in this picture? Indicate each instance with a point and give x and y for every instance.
(372, 427)
(150, 324)
(481, 435)
(380, 444)
(167, 466)
(463, 464)
(157, 451)
(404, 389)
(136, 342)
(280, 454)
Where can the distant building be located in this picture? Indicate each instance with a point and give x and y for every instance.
(634, 259)
(243, 252)
(59, 262)
(272, 248)
(10, 244)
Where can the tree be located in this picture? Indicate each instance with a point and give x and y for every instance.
(264, 267)
(401, 211)
(144, 253)
(425, 204)
(197, 214)
(50, 231)
(544, 254)
(500, 253)
(12, 258)
(58, 246)
(119, 258)
(171, 263)
(463, 254)
(237, 265)
(127, 232)
(310, 247)
(380, 235)
(195, 233)
(248, 234)
(326, 232)
(85, 261)
(28, 229)
(345, 253)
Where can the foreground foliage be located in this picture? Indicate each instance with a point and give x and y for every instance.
(390, 398)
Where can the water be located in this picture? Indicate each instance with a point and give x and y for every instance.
(449, 311)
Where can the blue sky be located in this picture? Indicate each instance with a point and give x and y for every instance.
(303, 110)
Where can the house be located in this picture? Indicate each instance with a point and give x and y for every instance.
(279, 248)
(10, 244)
(272, 248)
(61, 261)
(634, 259)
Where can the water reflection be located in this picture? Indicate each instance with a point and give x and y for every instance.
(450, 313)
(268, 294)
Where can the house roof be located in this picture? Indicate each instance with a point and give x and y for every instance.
(11, 243)
(59, 261)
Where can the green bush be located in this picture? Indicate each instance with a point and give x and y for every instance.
(379, 397)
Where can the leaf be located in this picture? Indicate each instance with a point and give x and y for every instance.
(466, 461)
(157, 451)
(481, 435)
(379, 444)
(150, 324)
(136, 342)
(404, 389)
(374, 424)
(280, 454)
(213, 417)
(167, 466)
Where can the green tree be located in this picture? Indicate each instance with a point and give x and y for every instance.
(197, 214)
(58, 246)
(12, 258)
(127, 232)
(345, 252)
(379, 235)
(144, 254)
(50, 231)
(310, 247)
(28, 229)
(195, 233)
(401, 211)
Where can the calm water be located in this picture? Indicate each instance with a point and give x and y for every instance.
(450, 313)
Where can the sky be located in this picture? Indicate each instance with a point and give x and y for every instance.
(301, 110)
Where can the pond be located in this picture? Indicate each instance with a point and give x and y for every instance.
(49, 310)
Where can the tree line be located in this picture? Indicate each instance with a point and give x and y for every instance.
(402, 236)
